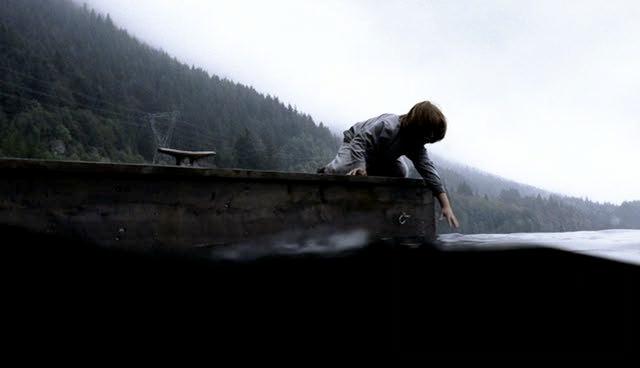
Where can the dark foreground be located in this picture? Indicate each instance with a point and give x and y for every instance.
(383, 301)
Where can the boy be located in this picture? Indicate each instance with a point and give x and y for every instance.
(374, 147)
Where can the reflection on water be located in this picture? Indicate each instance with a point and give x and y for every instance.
(617, 244)
(322, 242)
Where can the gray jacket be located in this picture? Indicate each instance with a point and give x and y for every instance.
(378, 141)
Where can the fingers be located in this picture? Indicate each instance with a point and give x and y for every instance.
(454, 221)
(358, 172)
(451, 219)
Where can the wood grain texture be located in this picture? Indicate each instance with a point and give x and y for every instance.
(168, 207)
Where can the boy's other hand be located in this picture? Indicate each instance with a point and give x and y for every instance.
(358, 172)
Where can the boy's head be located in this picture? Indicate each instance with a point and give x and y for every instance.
(424, 122)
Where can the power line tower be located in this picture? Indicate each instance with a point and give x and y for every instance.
(162, 139)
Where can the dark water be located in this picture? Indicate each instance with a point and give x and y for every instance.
(622, 245)
(378, 300)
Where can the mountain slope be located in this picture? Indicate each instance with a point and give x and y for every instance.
(75, 86)
(487, 203)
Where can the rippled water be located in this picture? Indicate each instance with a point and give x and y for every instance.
(618, 244)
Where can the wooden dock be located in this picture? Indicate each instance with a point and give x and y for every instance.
(137, 206)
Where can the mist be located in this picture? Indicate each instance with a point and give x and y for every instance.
(539, 92)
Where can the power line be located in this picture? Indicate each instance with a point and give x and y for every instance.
(202, 130)
(65, 100)
(181, 134)
(47, 61)
(118, 115)
(72, 91)
(88, 96)
(128, 122)
(162, 140)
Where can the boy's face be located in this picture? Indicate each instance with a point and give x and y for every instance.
(421, 137)
(429, 137)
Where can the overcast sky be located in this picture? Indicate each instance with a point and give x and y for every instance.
(543, 92)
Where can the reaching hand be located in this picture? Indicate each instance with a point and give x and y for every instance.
(447, 213)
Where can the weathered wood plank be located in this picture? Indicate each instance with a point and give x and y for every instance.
(169, 207)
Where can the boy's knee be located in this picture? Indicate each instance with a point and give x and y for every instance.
(401, 169)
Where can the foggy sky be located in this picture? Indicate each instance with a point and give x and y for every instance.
(541, 92)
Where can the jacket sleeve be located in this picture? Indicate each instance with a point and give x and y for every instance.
(427, 169)
(354, 154)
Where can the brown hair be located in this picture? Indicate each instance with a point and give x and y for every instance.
(425, 119)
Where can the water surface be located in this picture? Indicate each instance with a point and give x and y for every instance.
(617, 244)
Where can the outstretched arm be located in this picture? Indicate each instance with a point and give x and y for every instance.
(427, 169)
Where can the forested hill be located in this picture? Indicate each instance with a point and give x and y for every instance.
(457, 174)
(75, 86)
(486, 203)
